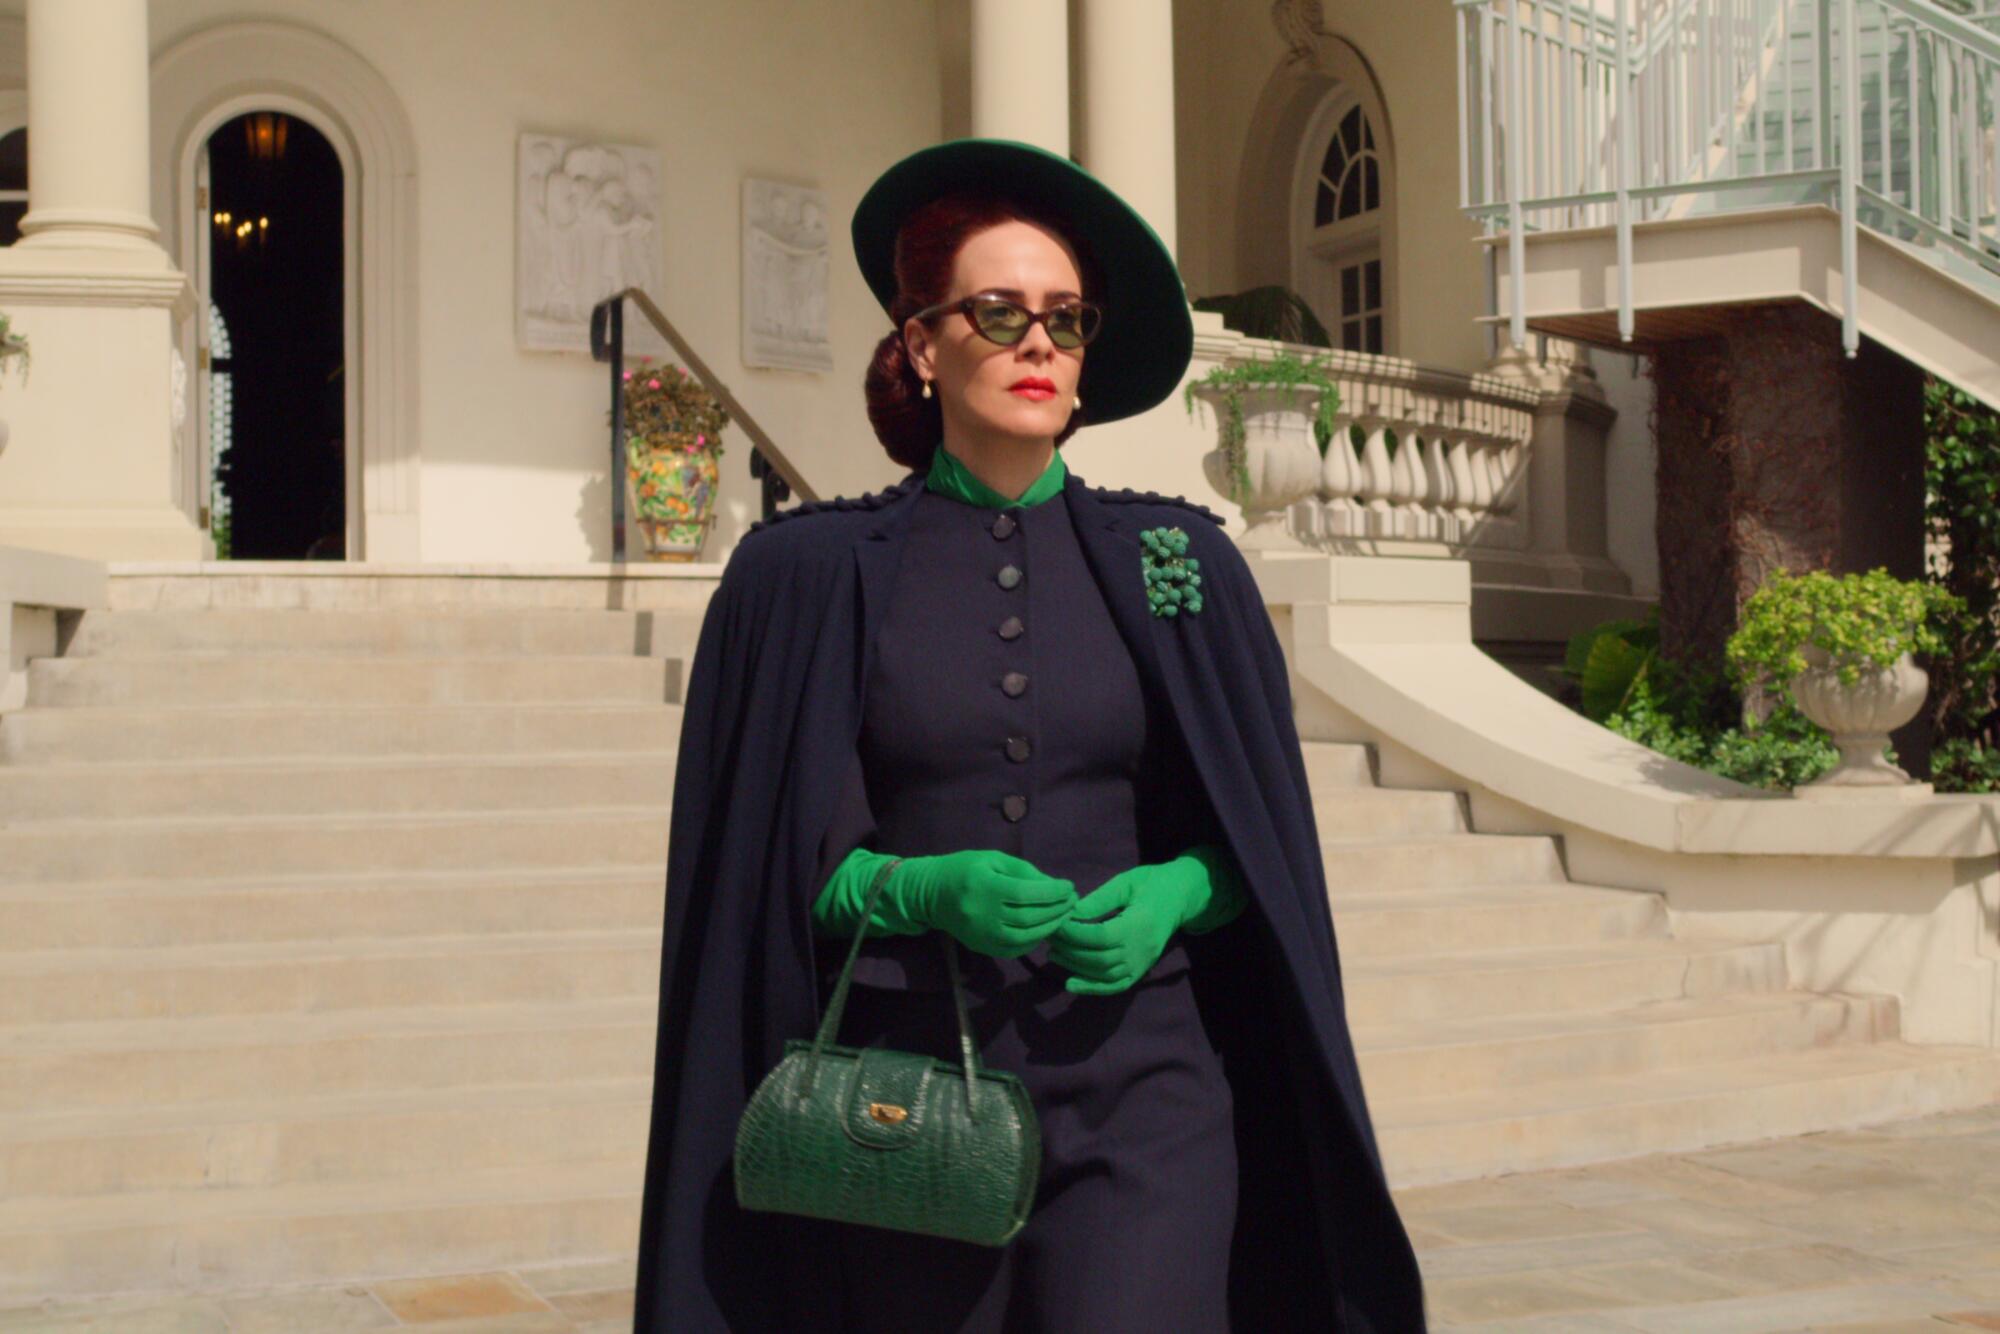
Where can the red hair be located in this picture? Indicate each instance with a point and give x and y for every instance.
(909, 425)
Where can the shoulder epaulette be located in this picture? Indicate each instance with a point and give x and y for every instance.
(874, 500)
(1127, 496)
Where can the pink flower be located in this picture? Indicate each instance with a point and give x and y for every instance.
(701, 439)
(652, 384)
(628, 375)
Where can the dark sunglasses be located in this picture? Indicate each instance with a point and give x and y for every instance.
(1070, 324)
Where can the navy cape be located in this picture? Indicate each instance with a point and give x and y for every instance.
(771, 724)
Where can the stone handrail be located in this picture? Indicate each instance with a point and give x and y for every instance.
(34, 586)
(1452, 479)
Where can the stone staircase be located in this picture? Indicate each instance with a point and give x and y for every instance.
(1508, 1019)
(329, 946)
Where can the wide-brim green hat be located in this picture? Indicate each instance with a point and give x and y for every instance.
(1147, 340)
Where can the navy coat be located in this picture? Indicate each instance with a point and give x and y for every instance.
(773, 712)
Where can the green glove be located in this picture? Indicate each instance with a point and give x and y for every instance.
(1197, 891)
(990, 901)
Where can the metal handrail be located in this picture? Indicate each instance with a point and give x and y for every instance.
(781, 478)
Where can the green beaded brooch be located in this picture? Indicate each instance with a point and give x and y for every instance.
(1173, 581)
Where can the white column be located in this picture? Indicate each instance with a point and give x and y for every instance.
(1020, 72)
(89, 87)
(109, 476)
(1128, 104)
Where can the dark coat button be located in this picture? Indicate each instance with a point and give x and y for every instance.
(1009, 576)
(1004, 526)
(1014, 806)
(1011, 628)
(1014, 682)
(1017, 748)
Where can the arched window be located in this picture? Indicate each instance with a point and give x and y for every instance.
(1338, 263)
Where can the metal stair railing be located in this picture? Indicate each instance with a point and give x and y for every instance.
(1579, 113)
(781, 479)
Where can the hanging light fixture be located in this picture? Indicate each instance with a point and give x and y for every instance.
(266, 132)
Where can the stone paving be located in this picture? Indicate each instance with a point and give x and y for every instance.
(1893, 1229)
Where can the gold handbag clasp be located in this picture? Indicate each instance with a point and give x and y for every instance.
(888, 1113)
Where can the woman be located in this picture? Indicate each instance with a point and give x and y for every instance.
(1097, 793)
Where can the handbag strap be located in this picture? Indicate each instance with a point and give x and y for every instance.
(830, 1024)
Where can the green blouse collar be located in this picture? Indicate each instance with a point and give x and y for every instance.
(950, 475)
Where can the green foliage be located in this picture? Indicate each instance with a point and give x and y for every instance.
(1610, 660)
(1962, 513)
(1280, 370)
(1274, 311)
(1860, 620)
(1689, 713)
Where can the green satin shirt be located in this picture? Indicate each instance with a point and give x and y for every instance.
(837, 911)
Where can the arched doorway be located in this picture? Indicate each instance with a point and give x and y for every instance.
(218, 74)
(270, 199)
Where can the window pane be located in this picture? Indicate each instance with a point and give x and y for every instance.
(1350, 129)
(1371, 185)
(1371, 273)
(1374, 333)
(1350, 336)
(1367, 133)
(1322, 207)
(1335, 163)
(1350, 197)
(11, 213)
(1350, 291)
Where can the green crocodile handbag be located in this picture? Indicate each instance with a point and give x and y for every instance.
(894, 1139)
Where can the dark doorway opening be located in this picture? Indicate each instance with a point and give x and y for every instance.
(277, 399)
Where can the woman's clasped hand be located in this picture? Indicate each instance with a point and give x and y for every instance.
(1002, 905)
(991, 901)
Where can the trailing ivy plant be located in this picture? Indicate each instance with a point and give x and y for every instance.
(1280, 370)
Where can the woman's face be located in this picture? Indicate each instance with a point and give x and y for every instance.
(975, 378)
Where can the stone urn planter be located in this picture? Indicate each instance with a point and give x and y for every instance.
(1860, 717)
(673, 451)
(672, 485)
(1276, 462)
(1843, 647)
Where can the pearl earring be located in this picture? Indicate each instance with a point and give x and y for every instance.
(927, 389)
(1076, 401)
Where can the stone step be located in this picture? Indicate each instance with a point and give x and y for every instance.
(1466, 918)
(1563, 1123)
(321, 679)
(281, 1139)
(130, 1063)
(1563, 979)
(88, 736)
(342, 785)
(132, 914)
(1437, 861)
(1386, 812)
(1476, 1053)
(184, 847)
(287, 978)
(385, 631)
(1337, 764)
(213, 1240)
